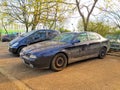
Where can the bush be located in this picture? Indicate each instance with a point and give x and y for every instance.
(63, 30)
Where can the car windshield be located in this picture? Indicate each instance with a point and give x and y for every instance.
(64, 37)
(28, 33)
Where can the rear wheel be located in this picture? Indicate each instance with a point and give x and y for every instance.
(102, 53)
(59, 62)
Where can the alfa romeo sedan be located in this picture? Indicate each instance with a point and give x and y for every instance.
(65, 49)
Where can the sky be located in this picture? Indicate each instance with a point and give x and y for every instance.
(72, 21)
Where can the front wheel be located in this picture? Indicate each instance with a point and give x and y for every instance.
(102, 53)
(59, 62)
(19, 50)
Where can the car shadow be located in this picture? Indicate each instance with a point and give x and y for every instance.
(21, 71)
(7, 56)
(28, 72)
(83, 61)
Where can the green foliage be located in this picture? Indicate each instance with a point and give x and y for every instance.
(117, 32)
(11, 31)
(63, 30)
(98, 27)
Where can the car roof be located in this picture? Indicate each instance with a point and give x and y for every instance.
(47, 30)
(80, 32)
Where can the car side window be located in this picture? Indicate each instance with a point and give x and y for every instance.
(51, 34)
(41, 35)
(82, 37)
(93, 36)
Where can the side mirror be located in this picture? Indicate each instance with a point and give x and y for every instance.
(75, 41)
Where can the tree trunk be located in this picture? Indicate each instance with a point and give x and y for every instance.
(0, 36)
(33, 27)
(86, 26)
(4, 26)
(26, 28)
(85, 19)
(5, 29)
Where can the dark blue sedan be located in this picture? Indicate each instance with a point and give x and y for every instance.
(16, 45)
(65, 49)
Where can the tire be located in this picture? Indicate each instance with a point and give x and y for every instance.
(3, 40)
(59, 62)
(19, 50)
(102, 53)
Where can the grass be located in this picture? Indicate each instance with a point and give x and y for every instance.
(11, 31)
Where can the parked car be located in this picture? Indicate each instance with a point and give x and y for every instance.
(16, 45)
(65, 49)
(114, 41)
(9, 37)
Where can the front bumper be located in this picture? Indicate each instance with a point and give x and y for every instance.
(42, 62)
(13, 50)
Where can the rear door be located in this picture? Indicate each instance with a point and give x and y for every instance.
(94, 44)
(37, 36)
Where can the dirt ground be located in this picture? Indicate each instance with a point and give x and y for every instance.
(6, 84)
(92, 74)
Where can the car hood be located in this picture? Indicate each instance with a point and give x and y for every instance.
(43, 46)
(17, 39)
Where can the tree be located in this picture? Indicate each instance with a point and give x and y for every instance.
(57, 14)
(17, 11)
(62, 30)
(114, 16)
(85, 19)
(33, 12)
(110, 10)
(99, 27)
(4, 19)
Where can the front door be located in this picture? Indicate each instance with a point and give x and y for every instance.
(79, 50)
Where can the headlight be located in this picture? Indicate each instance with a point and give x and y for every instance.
(15, 44)
(33, 56)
